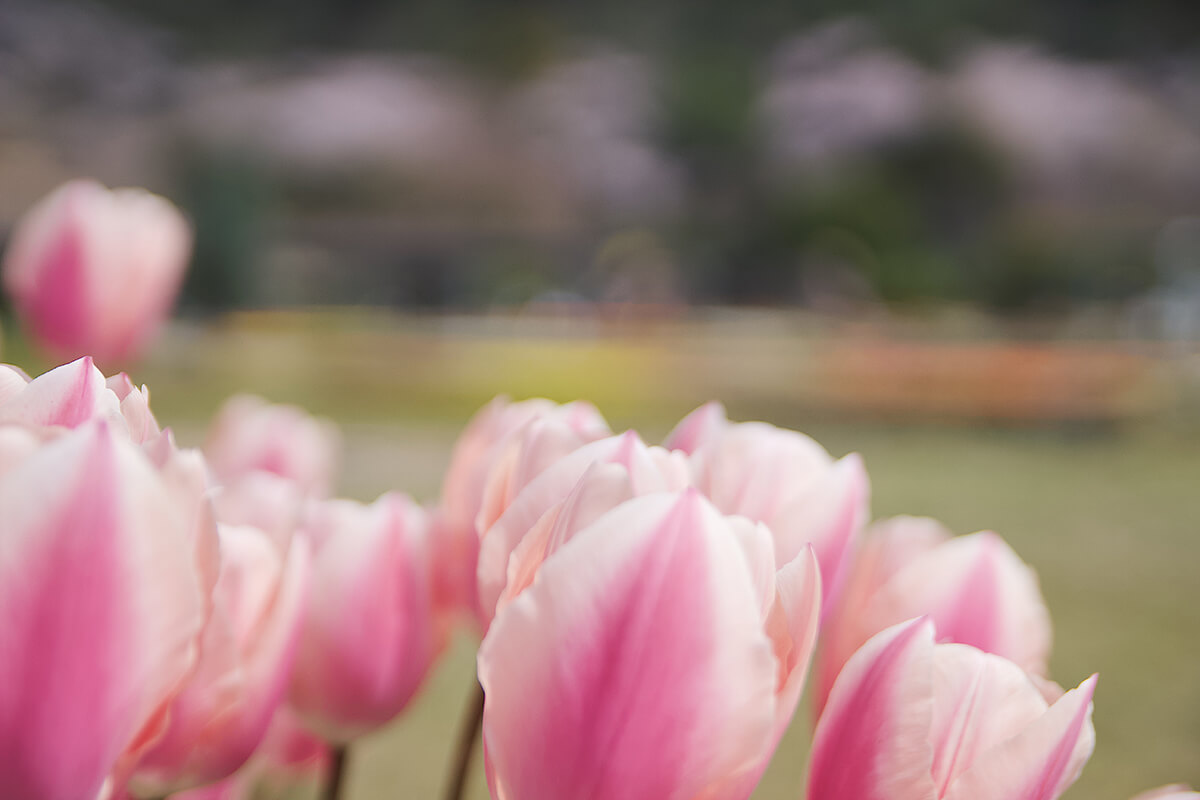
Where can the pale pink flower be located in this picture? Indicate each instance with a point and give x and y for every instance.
(657, 655)
(247, 650)
(909, 719)
(567, 496)
(504, 446)
(781, 478)
(975, 589)
(251, 435)
(96, 271)
(103, 607)
(368, 637)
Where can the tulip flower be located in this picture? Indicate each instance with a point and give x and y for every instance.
(909, 719)
(367, 638)
(249, 434)
(103, 608)
(94, 271)
(222, 713)
(1175, 792)
(489, 450)
(975, 589)
(564, 498)
(781, 478)
(658, 655)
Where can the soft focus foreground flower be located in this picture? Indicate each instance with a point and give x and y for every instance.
(251, 435)
(782, 478)
(102, 604)
(657, 655)
(73, 395)
(504, 446)
(96, 271)
(975, 589)
(909, 719)
(564, 498)
(368, 634)
(247, 649)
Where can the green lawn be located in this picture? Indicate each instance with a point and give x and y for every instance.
(1108, 517)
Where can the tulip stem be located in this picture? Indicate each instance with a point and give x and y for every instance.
(472, 722)
(339, 755)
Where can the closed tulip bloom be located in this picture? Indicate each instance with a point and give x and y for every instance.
(489, 449)
(247, 649)
(909, 719)
(251, 435)
(564, 498)
(782, 478)
(368, 636)
(656, 656)
(102, 606)
(96, 271)
(975, 589)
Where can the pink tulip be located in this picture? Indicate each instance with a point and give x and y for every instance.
(96, 271)
(1175, 792)
(368, 635)
(781, 478)
(489, 449)
(657, 655)
(247, 650)
(103, 608)
(909, 719)
(975, 588)
(249, 434)
(564, 498)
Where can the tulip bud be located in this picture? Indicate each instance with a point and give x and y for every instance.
(909, 719)
(781, 478)
(368, 637)
(249, 434)
(102, 606)
(656, 656)
(975, 589)
(94, 271)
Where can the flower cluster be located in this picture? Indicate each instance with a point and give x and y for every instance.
(195, 622)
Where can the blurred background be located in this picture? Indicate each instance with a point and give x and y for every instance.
(962, 239)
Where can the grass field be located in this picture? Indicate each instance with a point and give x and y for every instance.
(1107, 515)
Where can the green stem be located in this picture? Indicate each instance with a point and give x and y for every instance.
(468, 733)
(337, 773)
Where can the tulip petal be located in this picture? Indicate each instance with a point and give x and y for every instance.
(101, 611)
(798, 603)
(697, 428)
(829, 515)
(634, 667)
(1040, 762)
(68, 396)
(13, 381)
(871, 742)
(980, 701)
(978, 592)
